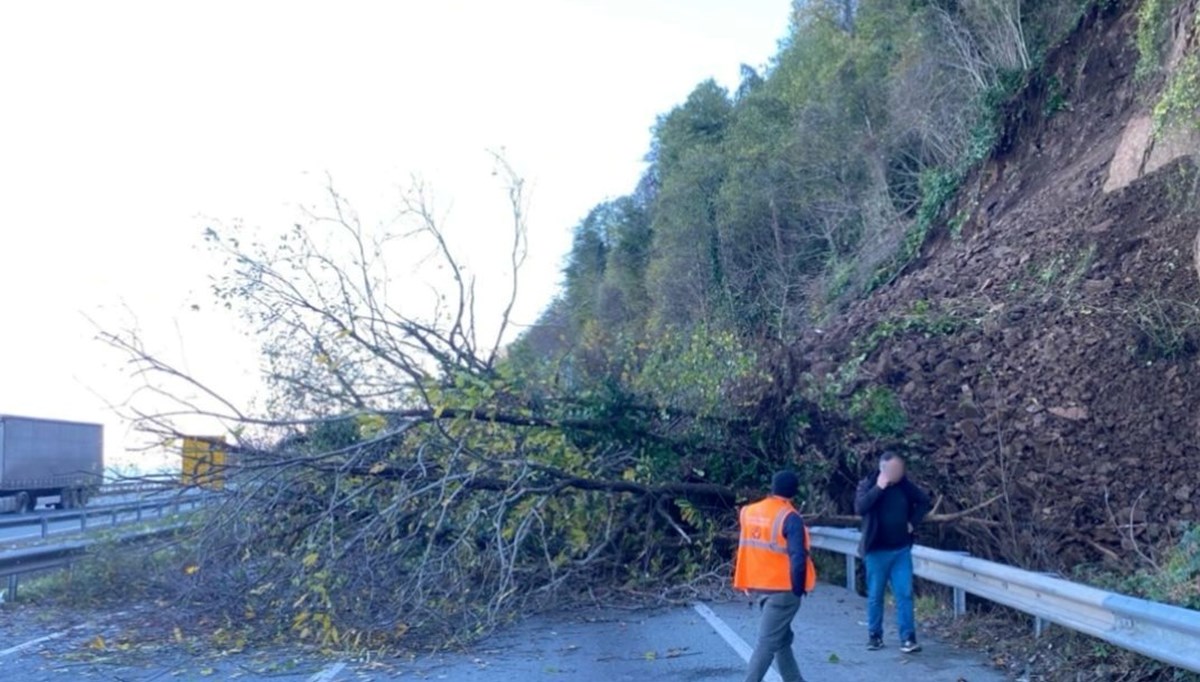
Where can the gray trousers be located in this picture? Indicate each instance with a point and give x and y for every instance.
(775, 638)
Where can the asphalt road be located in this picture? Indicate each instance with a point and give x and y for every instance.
(703, 642)
(706, 642)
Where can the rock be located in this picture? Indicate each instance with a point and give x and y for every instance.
(822, 369)
(968, 429)
(947, 368)
(1130, 156)
(1074, 414)
(1183, 493)
(968, 410)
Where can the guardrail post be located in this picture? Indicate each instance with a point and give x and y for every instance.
(851, 572)
(83, 521)
(139, 513)
(960, 595)
(114, 517)
(12, 588)
(1039, 625)
(45, 527)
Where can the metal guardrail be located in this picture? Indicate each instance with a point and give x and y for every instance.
(1167, 633)
(113, 512)
(136, 486)
(17, 562)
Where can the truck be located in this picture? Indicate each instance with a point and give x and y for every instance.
(42, 459)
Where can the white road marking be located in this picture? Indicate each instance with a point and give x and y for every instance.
(328, 674)
(732, 638)
(34, 642)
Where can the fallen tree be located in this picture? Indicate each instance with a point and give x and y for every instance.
(407, 482)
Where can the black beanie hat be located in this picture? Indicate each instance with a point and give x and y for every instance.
(785, 484)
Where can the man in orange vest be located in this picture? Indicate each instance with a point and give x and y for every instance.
(773, 562)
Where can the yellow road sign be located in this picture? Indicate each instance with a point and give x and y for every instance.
(204, 462)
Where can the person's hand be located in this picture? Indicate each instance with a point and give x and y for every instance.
(883, 481)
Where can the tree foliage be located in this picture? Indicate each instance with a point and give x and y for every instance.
(814, 179)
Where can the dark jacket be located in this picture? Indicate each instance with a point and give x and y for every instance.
(866, 497)
(793, 531)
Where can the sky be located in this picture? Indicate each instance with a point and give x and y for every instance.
(127, 128)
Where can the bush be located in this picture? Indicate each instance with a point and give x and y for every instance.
(1151, 37)
(113, 573)
(1179, 104)
(1177, 580)
(938, 188)
(879, 412)
(990, 120)
(1166, 329)
(920, 319)
(1056, 99)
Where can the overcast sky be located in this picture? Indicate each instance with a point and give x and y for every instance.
(127, 128)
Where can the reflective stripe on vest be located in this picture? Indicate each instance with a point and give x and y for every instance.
(762, 562)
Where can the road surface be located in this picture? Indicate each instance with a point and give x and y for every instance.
(705, 642)
(692, 644)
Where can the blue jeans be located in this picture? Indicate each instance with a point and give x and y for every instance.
(895, 565)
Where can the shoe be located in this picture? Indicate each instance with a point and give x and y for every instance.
(910, 646)
(875, 643)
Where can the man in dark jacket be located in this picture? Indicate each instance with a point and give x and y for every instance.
(891, 507)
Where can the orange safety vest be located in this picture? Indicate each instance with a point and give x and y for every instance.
(762, 559)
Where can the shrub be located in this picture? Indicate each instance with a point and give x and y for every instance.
(1056, 99)
(920, 319)
(1151, 36)
(1179, 104)
(113, 572)
(938, 187)
(879, 412)
(1166, 329)
(1175, 580)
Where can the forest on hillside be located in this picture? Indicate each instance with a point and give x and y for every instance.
(765, 211)
(411, 480)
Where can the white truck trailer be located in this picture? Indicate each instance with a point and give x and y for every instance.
(46, 461)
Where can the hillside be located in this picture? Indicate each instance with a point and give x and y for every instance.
(962, 231)
(1068, 379)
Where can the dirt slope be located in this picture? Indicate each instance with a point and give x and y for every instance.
(1072, 382)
